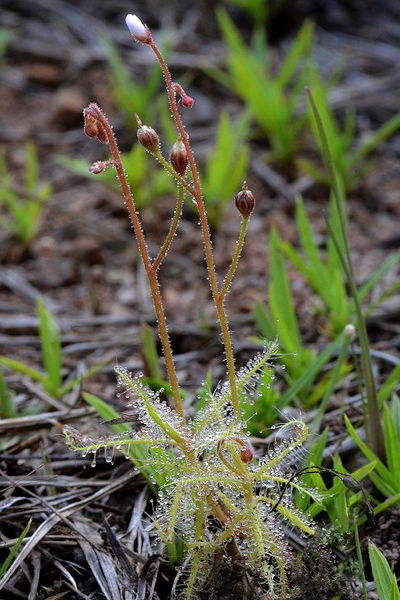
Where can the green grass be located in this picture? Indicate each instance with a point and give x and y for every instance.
(14, 550)
(22, 205)
(51, 377)
(348, 157)
(384, 578)
(271, 98)
(226, 166)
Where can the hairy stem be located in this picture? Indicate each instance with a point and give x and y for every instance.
(230, 361)
(179, 178)
(152, 275)
(172, 230)
(235, 259)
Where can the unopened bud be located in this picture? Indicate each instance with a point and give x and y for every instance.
(246, 454)
(90, 126)
(140, 32)
(101, 135)
(350, 332)
(187, 101)
(351, 483)
(100, 166)
(148, 137)
(245, 201)
(178, 157)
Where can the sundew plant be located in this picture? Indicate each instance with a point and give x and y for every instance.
(214, 496)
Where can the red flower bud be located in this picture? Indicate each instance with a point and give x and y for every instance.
(90, 125)
(246, 454)
(178, 157)
(245, 201)
(187, 101)
(101, 135)
(148, 137)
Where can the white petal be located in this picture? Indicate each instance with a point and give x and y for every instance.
(136, 27)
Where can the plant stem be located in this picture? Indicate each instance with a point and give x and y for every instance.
(151, 274)
(172, 230)
(230, 361)
(181, 180)
(235, 259)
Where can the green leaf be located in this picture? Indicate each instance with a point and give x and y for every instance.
(263, 321)
(280, 299)
(51, 349)
(19, 367)
(383, 577)
(389, 386)
(14, 549)
(138, 454)
(392, 441)
(309, 373)
(8, 407)
(149, 349)
(388, 478)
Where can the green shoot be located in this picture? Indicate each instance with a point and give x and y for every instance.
(272, 99)
(51, 378)
(384, 578)
(372, 418)
(8, 409)
(347, 159)
(385, 478)
(7, 562)
(226, 166)
(326, 277)
(23, 205)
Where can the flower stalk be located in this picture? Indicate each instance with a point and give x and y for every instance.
(205, 229)
(94, 112)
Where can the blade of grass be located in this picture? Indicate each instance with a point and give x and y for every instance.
(383, 576)
(51, 348)
(373, 421)
(14, 549)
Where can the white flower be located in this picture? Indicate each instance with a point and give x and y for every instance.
(140, 32)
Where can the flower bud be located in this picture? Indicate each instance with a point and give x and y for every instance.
(100, 166)
(245, 202)
(246, 454)
(90, 126)
(187, 101)
(101, 134)
(350, 332)
(149, 139)
(178, 157)
(140, 32)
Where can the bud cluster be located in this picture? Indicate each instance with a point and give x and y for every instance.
(92, 126)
